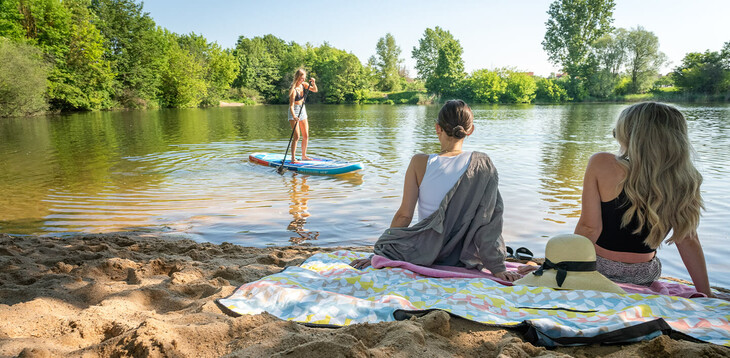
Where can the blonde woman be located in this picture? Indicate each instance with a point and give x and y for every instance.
(634, 200)
(298, 122)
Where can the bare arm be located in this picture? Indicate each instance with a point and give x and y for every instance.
(404, 215)
(693, 258)
(312, 86)
(590, 223)
(291, 104)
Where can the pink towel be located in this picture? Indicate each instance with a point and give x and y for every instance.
(656, 288)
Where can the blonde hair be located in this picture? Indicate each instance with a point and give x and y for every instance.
(297, 75)
(662, 184)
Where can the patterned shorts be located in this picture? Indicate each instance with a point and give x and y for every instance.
(297, 108)
(643, 273)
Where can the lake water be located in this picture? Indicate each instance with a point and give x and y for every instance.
(187, 172)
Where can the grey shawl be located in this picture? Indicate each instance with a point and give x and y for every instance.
(466, 229)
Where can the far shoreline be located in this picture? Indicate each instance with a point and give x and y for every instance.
(226, 104)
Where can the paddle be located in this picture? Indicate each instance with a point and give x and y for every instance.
(281, 168)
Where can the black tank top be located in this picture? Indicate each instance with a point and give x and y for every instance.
(616, 238)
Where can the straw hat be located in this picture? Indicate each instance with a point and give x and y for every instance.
(570, 264)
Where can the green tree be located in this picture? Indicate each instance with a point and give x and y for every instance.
(550, 90)
(134, 48)
(520, 87)
(705, 73)
(604, 63)
(182, 78)
(572, 26)
(87, 75)
(643, 58)
(387, 61)
(449, 73)
(340, 75)
(259, 66)
(427, 52)
(485, 86)
(22, 79)
(219, 67)
(11, 20)
(65, 31)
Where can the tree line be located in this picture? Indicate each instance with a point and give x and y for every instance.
(102, 54)
(64, 55)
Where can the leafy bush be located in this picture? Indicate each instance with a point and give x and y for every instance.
(485, 86)
(22, 79)
(549, 90)
(623, 87)
(520, 87)
(243, 95)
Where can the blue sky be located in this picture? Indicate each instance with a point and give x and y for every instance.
(493, 33)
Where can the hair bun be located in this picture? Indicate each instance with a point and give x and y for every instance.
(459, 132)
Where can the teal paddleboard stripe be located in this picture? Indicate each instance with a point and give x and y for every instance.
(313, 166)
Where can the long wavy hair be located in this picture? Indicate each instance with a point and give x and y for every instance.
(662, 184)
(297, 75)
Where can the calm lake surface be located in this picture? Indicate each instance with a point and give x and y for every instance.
(187, 172)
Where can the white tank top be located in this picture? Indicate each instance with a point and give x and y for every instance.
(441, 175)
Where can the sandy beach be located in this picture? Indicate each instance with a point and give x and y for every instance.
(230, 104)
(142, 295)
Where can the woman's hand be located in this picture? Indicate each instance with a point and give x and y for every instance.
(311, 80)
(508, 276)
(525, 269)
(361, 264)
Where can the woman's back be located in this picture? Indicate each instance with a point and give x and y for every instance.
(441, 174)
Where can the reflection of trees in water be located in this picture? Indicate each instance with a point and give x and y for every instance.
(580, 132)
(299, 195)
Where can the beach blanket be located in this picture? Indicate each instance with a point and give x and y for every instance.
(661, 286)
(325, 290)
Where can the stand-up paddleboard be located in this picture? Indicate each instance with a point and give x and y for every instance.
(312, 166)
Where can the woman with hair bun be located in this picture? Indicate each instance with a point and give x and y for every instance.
(634, 200)
(459, 205)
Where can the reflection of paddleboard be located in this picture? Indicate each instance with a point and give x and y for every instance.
(312, 166)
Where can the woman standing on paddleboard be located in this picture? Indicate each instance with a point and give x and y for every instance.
(298, 113)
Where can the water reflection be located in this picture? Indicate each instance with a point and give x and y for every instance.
(571, 138)
(299, 196)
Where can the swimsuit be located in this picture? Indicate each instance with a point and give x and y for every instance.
(303, 115)
(616, 238)
(622, 239)
(298, 97)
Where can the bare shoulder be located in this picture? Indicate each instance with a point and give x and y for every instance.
(604, 162)
(419, 161)
(603, 158)
(418, 166)
(605, 169)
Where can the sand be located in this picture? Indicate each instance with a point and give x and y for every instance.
(141, 295)
(230, 104)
